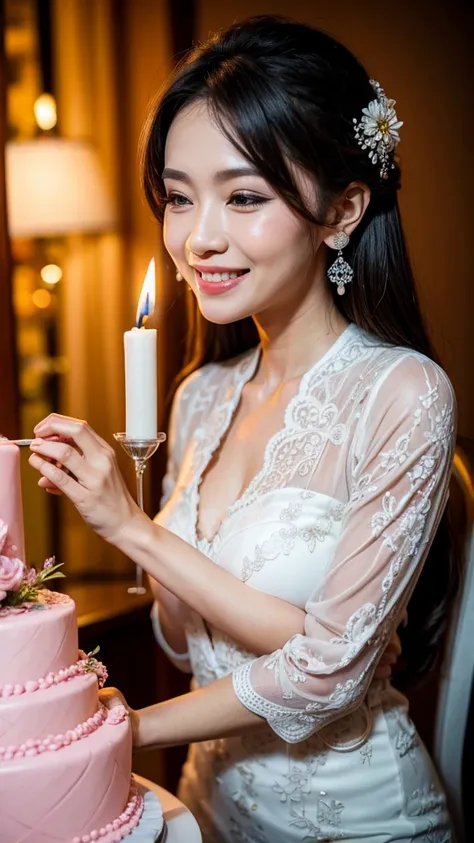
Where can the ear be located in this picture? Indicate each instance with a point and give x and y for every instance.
(347, 211)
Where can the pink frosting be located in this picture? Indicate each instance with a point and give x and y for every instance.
(79, 668)
(54, 710)
(11, 506)
(37, 642)
(52, 743)
(124, 824)
(59, 795)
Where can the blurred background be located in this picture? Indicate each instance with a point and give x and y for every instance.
(76, 236)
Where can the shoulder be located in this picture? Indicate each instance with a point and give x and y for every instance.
(410, 398)
(409, 408)
(409, 379)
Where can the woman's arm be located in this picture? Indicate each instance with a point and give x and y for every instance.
(169, 614)
(399, 477)
(206, 714)
(259, 622)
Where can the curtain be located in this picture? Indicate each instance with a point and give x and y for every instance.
(110, 60)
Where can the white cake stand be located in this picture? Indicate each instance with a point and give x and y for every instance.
(152, 826)
(165, 817)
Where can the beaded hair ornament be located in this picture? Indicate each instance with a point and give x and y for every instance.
(377, 130)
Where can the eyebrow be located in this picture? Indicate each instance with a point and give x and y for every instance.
(220, 177)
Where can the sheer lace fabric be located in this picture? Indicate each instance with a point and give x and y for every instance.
(338, 520)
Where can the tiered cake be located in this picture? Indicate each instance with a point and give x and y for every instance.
(65, 760)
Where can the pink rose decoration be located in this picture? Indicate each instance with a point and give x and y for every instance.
(12, 572)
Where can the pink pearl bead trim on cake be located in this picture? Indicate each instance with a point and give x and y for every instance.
(54, 742)
(118, 829)
(63, 675)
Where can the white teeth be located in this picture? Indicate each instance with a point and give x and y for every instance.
(219, 276)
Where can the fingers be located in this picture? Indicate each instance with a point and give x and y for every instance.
(58, 478)
(111, 697)
(64, 454)
(389, 658)
(384, 668)
(46, 484)
(395, 646)
(76, 430)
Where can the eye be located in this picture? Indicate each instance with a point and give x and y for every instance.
(177, 200)
(247, 200)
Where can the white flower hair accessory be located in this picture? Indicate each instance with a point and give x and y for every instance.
(378, 130)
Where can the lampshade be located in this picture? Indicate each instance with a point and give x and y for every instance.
(55, 186)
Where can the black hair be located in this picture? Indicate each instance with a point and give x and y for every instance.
(283, 92)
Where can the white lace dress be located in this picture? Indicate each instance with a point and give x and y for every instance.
(338, 521)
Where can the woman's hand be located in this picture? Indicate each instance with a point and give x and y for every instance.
(75, 460)
(111, 697)
(389, 659)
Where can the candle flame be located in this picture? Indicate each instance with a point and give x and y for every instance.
(146, 302)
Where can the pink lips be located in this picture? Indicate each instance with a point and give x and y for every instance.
(215, 288)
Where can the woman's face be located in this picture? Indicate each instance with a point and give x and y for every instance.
(234, 240)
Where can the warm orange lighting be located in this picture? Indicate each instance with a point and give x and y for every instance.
(45, 112)
(41, 299)
(56, 186)
(51, 273)
(146, 302)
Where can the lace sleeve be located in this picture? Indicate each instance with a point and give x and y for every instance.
(175, 435)
(398, 471)
(192, 401)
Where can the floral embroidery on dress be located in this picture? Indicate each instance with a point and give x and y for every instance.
(319, 531)
(284, 539)
(245, 802)
(316, 813)
(298, 782)
(381, 519)
(281, 541)
(359, 628)
(239, 835)
(382, 472)
(366, 753)
(434, 835)
(329, 813)
(406, 739)
(426, 800)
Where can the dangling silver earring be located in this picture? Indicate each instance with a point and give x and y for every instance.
(179, 277)
(340, 272)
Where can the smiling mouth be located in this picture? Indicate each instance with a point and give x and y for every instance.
(220, 276)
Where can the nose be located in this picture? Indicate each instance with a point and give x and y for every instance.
(207, 234)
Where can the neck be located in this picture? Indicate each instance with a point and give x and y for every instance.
(290, 346)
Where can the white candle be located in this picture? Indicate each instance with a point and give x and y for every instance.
(140, 368)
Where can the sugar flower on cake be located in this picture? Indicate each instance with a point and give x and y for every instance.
(20, 585)
(12, 570)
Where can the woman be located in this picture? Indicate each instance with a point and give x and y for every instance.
(309, 457)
